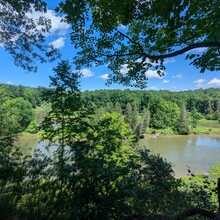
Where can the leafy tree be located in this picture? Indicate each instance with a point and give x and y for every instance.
(12, 163)
(100, 180)
(163, 113)
(143, 38)
(215, 170)
(216, 114)
(22, 36)
(111, 178)
(155, 186)
(199, 193)
(64, 124)
(21, 110)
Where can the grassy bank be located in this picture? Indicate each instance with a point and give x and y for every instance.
(204, 127)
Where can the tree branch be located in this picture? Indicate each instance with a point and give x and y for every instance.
(133, 42)
(212, 44)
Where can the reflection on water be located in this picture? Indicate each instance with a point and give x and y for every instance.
(197, 152)
(27, 144)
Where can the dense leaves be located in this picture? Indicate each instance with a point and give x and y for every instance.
(24, 36)
(139, 35)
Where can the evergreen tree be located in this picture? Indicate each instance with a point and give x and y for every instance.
(146, 120)
(118, 108)
(182, 125)
(195, 117)
(131, 115)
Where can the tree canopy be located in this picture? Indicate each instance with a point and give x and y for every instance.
(139, 35)
(24, 36)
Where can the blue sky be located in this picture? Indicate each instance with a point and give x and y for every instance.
(179, 75)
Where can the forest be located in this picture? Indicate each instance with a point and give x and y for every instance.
(98, 170)
(145, 111)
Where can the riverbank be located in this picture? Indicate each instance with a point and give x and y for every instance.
(162, 134)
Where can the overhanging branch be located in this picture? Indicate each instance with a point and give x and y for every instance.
(163, 56)
(208, 44)
(211, 44)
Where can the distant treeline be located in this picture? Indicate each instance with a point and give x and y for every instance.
(206, 101)
(32, 95)
(140, 108)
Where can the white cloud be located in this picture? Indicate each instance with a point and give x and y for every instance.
(124, 69)
(59, 43)
(152, 88)
(214, 83)
(10, 83)
(169, 60)
(58, 27)
(166, 81)
(149, 73)
(153, 74)
(122, 27)
(104, 76)
(86, 73)
(202, 83)
(199, 81)
(178, 76)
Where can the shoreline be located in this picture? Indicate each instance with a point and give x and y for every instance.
(161, 134)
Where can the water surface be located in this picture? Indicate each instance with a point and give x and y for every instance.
(197, 152)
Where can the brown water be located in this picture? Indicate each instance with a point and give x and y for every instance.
(197, 152)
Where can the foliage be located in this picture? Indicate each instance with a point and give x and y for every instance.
(24, 37)
(20, 110)
(195, 116)
(215, 170)
(32, 95)
(182, 126)
(156, 189)
(115, 178)
(145, 37)
(200, 191)
(143, 124)
(163, 113)
(131, 115)
(104, 161)
(64, 124)
(12, 168)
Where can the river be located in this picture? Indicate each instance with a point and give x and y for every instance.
(197, 152)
